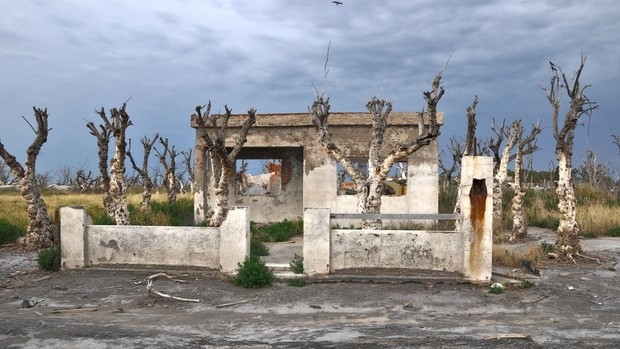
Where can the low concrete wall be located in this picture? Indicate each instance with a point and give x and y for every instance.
(84, 244)
(396, 249)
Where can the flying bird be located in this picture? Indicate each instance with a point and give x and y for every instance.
(337, 3)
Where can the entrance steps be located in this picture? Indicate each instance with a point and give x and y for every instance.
(283, 271)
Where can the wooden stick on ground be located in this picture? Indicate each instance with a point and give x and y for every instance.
(172, 278)
(149, 287)
(235, 303)
(509, 336)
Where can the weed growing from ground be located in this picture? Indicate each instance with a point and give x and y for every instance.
(253, 273)
(527, 284)
(10, 232)
(615, 232)
(546, 247)
(297, 264)
(49, 260)
(497, 288)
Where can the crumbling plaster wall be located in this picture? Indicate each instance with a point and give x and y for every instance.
(316, 185)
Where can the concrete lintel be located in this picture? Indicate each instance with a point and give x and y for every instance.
(316, 248)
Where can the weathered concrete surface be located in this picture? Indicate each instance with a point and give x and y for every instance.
(424, 314)
(221, 248)
(316, 241)
(352, 249)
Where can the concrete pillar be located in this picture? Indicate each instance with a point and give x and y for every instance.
(200, 181)
(234, 239)
(423, 180)
(316, 241)
(477, 224)
(73, 222)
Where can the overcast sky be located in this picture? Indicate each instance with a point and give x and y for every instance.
(75, 56)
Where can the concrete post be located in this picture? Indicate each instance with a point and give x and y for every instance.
(316, 248)
(477, 224)
(234, 239)
(200, 181)
(73, 222)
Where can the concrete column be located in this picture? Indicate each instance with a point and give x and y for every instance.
(234, 239)
(316, 241)
(423, 180)
(200, 181)
(477, 224)
(73, 222)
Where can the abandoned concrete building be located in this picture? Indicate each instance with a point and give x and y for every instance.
(300, 174)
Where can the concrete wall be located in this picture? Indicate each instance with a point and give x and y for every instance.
(84, 244)
(467, 250)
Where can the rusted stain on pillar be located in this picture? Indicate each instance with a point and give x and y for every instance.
(477, 199)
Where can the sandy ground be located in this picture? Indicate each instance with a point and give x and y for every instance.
(576, 306)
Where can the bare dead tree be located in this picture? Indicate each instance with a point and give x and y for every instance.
(616, 141)
(593, 172)
(102, 133)
(167, 158)
(456, 149)
(369, 186)
(84, 181)
(187, 162)
(567, 242)
(222, 160)
(500, 176)
(495, 144)
(470, 138)
(64, 175)
(519, 225)
(5, 173)
(117, 125)
(143, 172)
(41, 230)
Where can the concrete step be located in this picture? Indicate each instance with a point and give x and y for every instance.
(282, 271)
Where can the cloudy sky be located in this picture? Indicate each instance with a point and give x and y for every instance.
(75, 56)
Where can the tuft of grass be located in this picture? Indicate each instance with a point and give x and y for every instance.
(614, 232)
(527, 284)
(258, 248)
(546, 247)
(253, 273)
(497, 288)
(588, 235)
(49, 260)
(297, 264)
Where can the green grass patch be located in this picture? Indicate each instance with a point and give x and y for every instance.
(614, 232)
(10, 232)
(253, 273)
(297, 264)
(49, 260)
(297, 282)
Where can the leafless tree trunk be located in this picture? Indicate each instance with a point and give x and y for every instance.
(41, 231)
(456, 149)
(567, 243)
(370, 187)
(519, 226)
(167, 158)
(469, 149)
(147, 183)
(593, 172)
(84, 181)
(499, 178)
(103, 134)
(117, 126)
(616, 141)
(187, 162)
(5, 173)
(222, 161)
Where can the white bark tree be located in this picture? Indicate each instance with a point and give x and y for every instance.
(117, 125)
(519, 225)
(41, 232)
(167, 158)
(189, 169)
(143, 172)
(567, 242)
(222, 161)
(500, 176)
(370, 186)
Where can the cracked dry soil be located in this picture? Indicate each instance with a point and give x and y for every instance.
(576, 306)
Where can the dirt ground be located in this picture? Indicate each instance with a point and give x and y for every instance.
(98, 308)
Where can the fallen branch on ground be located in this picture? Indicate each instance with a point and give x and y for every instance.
(235, 303)
(172, 278)
(149, 287)
(587, 257)
(530, 301)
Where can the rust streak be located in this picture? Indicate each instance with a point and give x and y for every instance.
(477, 198)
